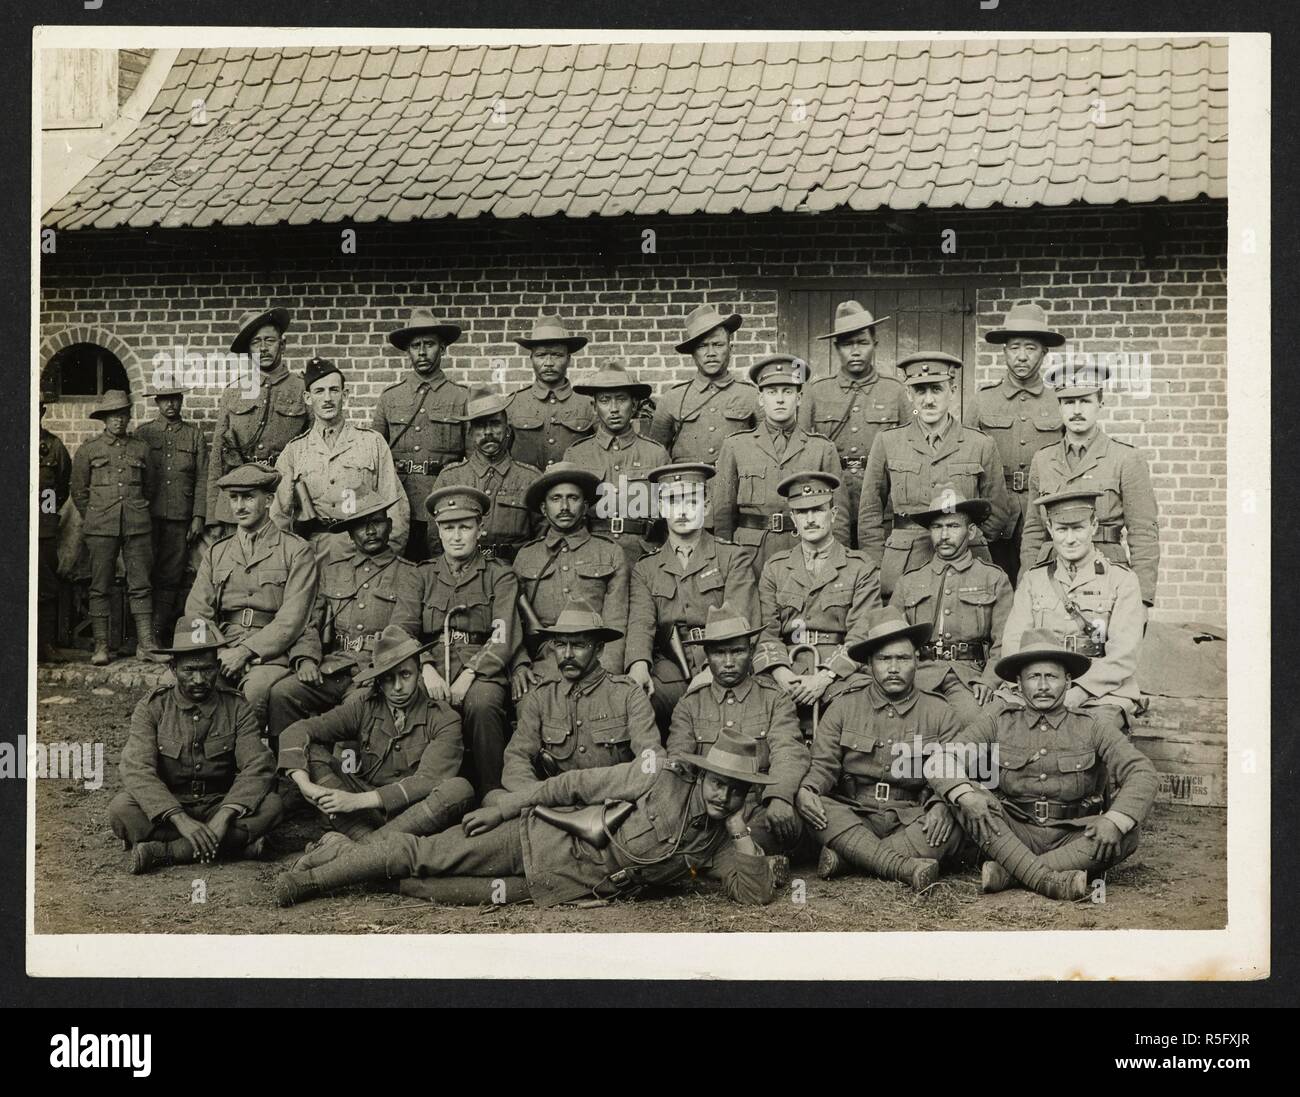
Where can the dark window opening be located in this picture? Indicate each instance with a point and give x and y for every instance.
(84, 369)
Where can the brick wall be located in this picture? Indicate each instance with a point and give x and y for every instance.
(1142, 281)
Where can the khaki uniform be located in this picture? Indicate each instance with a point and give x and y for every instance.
(865, 766)
(693, 418)
(547, 422)
(178, 457)
(1127, 503)
(905, 472)
(56, 485)
(253, 430)
(968, 603)
(112, 485)
(194, 757)
(851, 412)
(556, 569)
(747, 507)
(602, 719)
(616, 460)
(337, 476)
(1108, 596)
(261, 599)
(419, 418)
(756, 709)
(508, 526)
(664, 595)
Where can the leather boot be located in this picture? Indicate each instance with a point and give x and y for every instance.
(1029, 871)
(144, 638)
(444, 807)
(352, 864)
(99, 627)
(164, 616)
(147, 856)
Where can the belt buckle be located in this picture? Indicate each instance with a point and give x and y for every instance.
(246, 617)
(882, 795)
(1042, 811)
(198, 788)
(853, 464)
(616, 526)
(1071, 642)
(459, 635)
(776, 522)
(695, 635)
(1019, 480)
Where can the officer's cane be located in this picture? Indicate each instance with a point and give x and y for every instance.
(796, 650)
(446, 642)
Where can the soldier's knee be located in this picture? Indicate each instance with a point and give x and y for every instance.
(127, 820)
(457, 791)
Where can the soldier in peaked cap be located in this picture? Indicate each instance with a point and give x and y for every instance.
(489, 466)
(856, 403)
(747, 505)
(693, 418)
(1020, 413)
(196, 777)
(469, 614)
(866, 795)
(259, 585)
(178, 456)
(54, 489)
(674, 586)
(729, 699)
(546, 416)
(964, 600)
(1065, 794)
(409, 753)
(1087, 457)
(583, 718)
(621, 457)
(328, 467)
(907, 465)
(113, 487)
(1094, 603)
(363, 589)
(420, 418)
(565, 563)
(818, 593)
(258, 414)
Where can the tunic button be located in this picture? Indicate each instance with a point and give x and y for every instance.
(730, 723)
(854, 429)
(417, 430)
(713, 428)
(947, 611)
(417, 449)
(582, 750)
(1042, 776)
(577, 723)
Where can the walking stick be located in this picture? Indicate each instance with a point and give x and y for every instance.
(794, 651)
(446, 643)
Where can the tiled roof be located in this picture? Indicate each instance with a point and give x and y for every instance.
(297, 135)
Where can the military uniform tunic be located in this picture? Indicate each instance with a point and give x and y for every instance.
(905, 471)
(1127, 503)
(178, 456)
(747, 508)
(54, 488)
(622, 463)
(693, 418)
(508, 525)
(547, 422)
(253, 429)
(419, 418)
(602, 719)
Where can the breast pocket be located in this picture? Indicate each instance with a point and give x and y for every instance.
(990, 420)
(186, 459)
(220, 746)
(1012, 779)
(558, 740)
(169, 744)
(752, 488)
(272, 576)
(1075, 769)
(526, 421)
(880, 416)
(978, 609)
(859, 754)
(593, 579)
(577, 420)
(357, 470)
(289, 405)
(101, 473)
(509, 515)
(612, 736)
(445, 428)
(905, 481)
(740, 408)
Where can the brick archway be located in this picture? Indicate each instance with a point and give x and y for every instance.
(85, 333)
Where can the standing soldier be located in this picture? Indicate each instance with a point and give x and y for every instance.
(908, 465)
(254, 427)
(178, 458)
(620, 457)
(818, 593)
(1020, 413)
(857, 403)
(511, 523)
(54, 488)
(362, 589)
(674, 586)
(112, 485)
(470, 616)
(964, 601)
(259, 585)
(567, 562)
(327, 468)
(1093, 602)
(693, 418)
(546, 415)
(419, 417)
(1089, 458)
(747, 504)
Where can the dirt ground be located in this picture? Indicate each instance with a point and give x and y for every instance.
(1176, 880)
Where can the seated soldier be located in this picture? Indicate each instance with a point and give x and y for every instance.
(965, 602)
(818, 594)
(1045, 819)
(1091, 601)
(585, 718)
(674, 586)
(404, 777)
(362, 589)
(866, 795)
(469, 617)
(565, 563)
(680, 817)
(196, 776)
(727, 699)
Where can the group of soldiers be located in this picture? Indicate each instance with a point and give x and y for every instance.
(755, 620)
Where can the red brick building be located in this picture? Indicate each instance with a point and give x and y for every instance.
(622, 185)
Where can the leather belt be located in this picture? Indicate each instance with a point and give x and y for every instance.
(1043, 811)
(1108, 535)
(814, 636)
(882, 792)
(247, 617)
(1084, 645)
(853, 464)
(427, 467)
(364, 642)
(692, 634)
(502, 550)
(620, 526)
(962, 651)
(902, 521)
(779, 522)
(1017, 481)
(467, 637)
